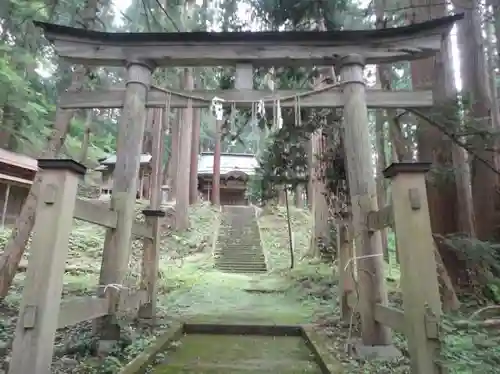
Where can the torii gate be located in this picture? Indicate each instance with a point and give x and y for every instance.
(141, 53)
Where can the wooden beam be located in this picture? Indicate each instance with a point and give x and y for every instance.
(81, 309)
(140, 363)
(150, 264)
(132, 300)
(257, 48)
(97, 214)
(380, 219)
(333, 98)
(103, 216)
(392, 317)
(387, 316)
(141, 230)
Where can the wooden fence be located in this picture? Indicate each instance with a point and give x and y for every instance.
(409, 217)
(42, 309)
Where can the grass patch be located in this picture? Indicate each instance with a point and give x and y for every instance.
(190, 288)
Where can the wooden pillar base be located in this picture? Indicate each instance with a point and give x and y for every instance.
(150, 266)
(419, 282)
(346, 270)
(33, 345)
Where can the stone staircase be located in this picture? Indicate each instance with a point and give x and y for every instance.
(238, 248)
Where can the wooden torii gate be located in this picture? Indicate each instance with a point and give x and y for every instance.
(141, 53)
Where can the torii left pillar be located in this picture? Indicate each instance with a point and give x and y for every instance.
(118, 241)
(362, 189)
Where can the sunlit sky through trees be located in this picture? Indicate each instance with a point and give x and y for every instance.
(243, 13)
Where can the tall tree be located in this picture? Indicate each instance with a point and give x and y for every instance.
(479, 106)
(16, 245)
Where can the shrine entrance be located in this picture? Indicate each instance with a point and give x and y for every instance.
(141, 53)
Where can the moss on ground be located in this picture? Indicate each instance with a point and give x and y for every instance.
(190, 287)
(239, 354)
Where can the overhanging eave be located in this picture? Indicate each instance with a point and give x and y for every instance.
(258, 48)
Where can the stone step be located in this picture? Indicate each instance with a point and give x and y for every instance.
(228, 248)
(238, 241)
(234, 237)
(289, 366)
(239, 233)
(257, 264)
(242, 271)
(239, 255)
(238, 263)
(238, 249)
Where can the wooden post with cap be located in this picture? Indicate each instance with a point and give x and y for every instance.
(150, 265)
(38, 315)
(419, 282)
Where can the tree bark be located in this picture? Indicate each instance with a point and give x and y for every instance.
(86, 136)
(446, 188)
(434, 147)
(215, 193)
(320, 202)
(476, 90)
(173, 159)
(195, 150)
(182, 181)
(16, 245)
(157, 160)
(299, 197)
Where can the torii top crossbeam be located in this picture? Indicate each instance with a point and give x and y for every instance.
(300, 48)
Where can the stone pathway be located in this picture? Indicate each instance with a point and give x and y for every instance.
(238, 247)
(223, 354)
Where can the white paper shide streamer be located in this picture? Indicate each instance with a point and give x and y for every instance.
(261, 109)
(217, 109)
(279, 119)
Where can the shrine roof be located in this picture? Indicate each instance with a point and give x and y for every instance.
(104, 163)
(263, 48)
(230, 163)
(336, 36)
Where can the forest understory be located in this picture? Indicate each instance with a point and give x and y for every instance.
(191, 288)
(459, 136)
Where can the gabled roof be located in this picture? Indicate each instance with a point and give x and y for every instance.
(17, 159)
(111, 161)
(230, 163)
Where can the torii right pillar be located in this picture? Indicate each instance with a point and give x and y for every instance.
(362, 187)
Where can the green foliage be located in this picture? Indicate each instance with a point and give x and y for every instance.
(301, 14)
(284, 159)
(467, 350)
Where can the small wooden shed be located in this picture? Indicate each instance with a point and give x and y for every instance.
(107, 167)
(235, 169)
(17, 173)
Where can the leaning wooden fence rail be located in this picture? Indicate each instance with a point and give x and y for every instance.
(42, 311)
(408, 215)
